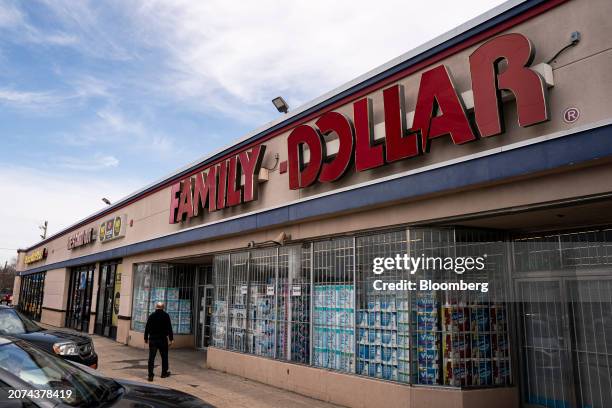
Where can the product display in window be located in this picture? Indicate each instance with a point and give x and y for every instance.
(333, 327)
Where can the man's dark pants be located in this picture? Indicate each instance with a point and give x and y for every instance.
(162, 346)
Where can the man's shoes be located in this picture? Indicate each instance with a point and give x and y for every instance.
(166, 374)
(150, 378)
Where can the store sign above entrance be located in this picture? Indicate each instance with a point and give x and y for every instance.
(230, 183)
(35, 256)
(112, 228)
(499, 68)
(80, 238)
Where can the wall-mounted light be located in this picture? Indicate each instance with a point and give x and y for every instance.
(279, 240)
(280, 104)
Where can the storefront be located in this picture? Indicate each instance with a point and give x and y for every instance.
(109, 297)
(285, 255)
(79, 297)
(31, 295)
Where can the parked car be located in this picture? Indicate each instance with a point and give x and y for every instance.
(6, 298)
(68, 345)
(55, 382)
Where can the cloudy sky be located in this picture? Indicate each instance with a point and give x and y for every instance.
(98, 98)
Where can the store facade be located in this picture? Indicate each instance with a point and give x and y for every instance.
(271, 253)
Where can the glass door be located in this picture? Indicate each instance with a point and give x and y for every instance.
(566, 341)
(204, 306)
(79, 298)
(105, 326)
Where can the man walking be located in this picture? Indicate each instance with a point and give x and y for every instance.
(157, 333)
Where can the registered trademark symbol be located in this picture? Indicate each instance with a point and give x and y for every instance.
(570, 115)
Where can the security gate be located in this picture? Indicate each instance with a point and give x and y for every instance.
(566, 341)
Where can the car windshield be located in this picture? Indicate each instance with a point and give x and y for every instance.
(43, 371)
(13, 322)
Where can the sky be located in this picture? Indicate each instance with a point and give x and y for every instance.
(98, 99)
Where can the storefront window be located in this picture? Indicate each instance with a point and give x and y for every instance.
(237, 298)
(219, 315)
(172, 284)
(79, 297)
(383, 317)
(333, 305)
(31, 295)
(317, 304)
(293, 302)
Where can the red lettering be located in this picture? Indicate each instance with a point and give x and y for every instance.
(205, 191)
(368, 155)
(336, 122)
(234, 191)
(301, 174)
(398, 144)
(488, 80)
(251, 164)
(174, 202)
(222, 184)
(185, 209)
(437, 96)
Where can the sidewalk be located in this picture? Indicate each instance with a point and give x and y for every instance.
(190, 375)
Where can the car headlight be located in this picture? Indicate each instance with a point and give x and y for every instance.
(66, 349)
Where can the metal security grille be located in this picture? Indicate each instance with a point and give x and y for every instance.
(334, 304)
(219, 314)
(171, 284)
(383, 317)
(262, 312)
(293, 302)
(564, 292)
(590, 303)
(238, 301)
(31, 295)
(316, 304)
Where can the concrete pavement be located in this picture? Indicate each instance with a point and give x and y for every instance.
(189, 374)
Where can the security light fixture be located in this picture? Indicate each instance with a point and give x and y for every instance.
(280, 104)
(106, 201)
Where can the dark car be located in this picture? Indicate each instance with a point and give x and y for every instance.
(45, 380)
(68, 345)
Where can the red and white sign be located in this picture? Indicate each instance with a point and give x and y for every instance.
(439, 112)
(218, 186)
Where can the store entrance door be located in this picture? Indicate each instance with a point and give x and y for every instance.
(204, 305)
(108, 300)
(566, 341)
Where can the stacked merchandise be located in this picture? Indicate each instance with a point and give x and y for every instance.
(218, 322)
(300, 339)
(140, 312)
(333, 332)
(428, 337)
(184, 321)
(238, 319)
(475, 345)
(262, 319)
(384, 349)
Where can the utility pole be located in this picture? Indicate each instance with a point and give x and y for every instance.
(43, 228)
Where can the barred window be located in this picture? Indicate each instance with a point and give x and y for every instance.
(172, 284)
(31, 294)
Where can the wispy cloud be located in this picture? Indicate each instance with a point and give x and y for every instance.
(27, 99)
(97, 162)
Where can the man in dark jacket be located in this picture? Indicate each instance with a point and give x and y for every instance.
(157, 333)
